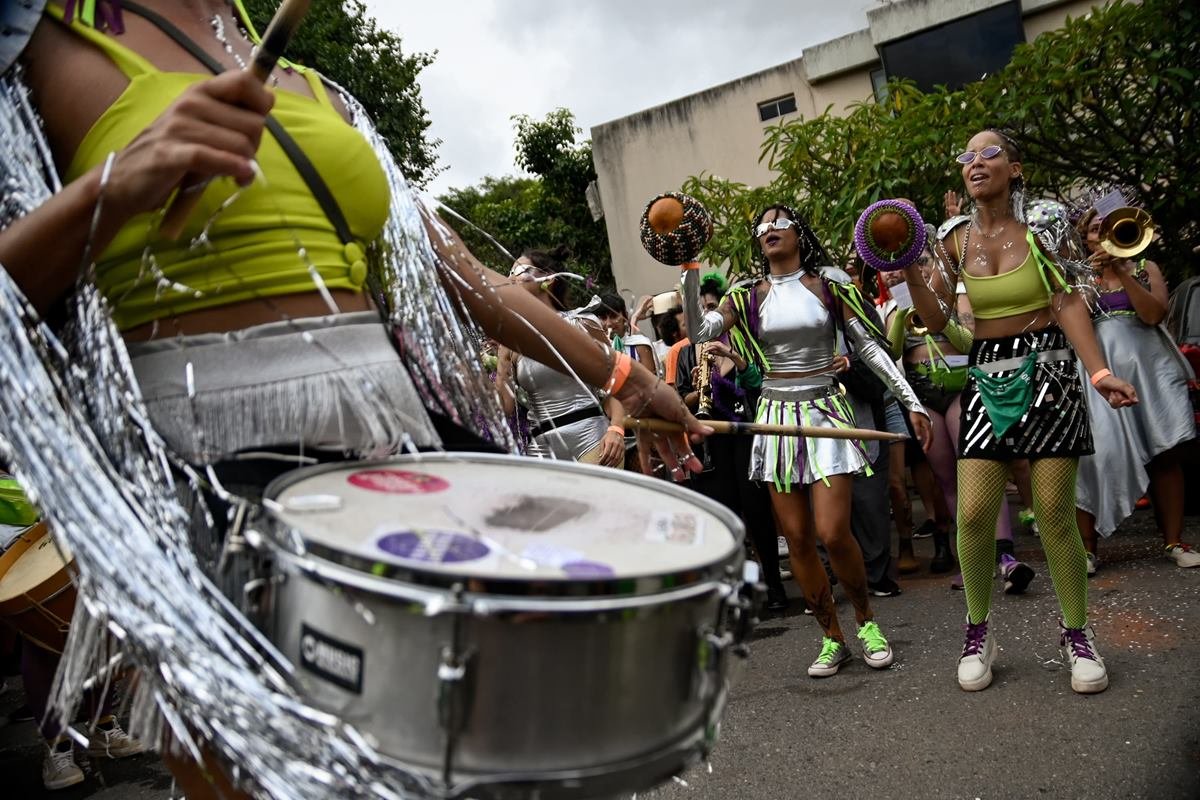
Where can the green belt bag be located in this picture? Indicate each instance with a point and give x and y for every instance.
(1007, 399)
(947, 379)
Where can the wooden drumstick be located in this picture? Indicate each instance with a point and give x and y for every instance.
(285, 22)
(750, 428)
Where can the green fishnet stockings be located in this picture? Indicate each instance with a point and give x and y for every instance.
(981, 491)
(1054, 505)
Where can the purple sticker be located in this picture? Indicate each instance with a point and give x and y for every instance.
(439, 547)
(588, 569)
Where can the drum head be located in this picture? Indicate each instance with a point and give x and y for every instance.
(505, 518)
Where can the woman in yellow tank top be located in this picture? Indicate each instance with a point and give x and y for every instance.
(1023, 398)
(274, 258)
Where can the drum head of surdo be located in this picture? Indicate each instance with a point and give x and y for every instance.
(517, 519)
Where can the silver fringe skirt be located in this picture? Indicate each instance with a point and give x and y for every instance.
(788, 461)
(1111, 480)
(331, 382)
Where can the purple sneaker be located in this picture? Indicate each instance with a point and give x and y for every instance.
(1088, 674)
(1017, 575)
(975, 664)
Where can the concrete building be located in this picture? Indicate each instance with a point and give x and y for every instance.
(720, 130)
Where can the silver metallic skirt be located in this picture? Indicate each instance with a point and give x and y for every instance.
(1111, 480)
(787, 461)
(331, 382)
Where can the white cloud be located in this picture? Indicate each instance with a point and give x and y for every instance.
(602, 60)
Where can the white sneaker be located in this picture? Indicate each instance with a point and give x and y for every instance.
(781, 544)
(833, 655)
(59, 769)
(113, 742)
(1088, 674)
(1093, 563)
(1183, 555)
(975, 663)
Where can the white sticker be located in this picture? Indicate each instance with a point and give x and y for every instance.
(957, 361)
(675, 527)
(902, 295)
(550, 556)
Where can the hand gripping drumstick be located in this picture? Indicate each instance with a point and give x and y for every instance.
(745, 428)
(285, 22)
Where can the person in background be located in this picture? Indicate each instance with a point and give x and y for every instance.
(734, 384)
(1136, 449)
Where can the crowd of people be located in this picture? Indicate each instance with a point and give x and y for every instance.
(987, 353)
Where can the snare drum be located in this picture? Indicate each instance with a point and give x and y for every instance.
(37, 596)
(510, 627)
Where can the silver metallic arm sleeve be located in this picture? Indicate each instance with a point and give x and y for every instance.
(703, 326)
(881, 363)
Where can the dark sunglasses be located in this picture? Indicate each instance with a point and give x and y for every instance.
(989, 152)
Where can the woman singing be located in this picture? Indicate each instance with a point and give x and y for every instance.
(788, 324)
(1023, 398)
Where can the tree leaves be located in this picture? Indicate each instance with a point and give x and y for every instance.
(1106, 99)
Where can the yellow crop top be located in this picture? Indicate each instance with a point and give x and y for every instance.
(1017, 291)
(255, 242)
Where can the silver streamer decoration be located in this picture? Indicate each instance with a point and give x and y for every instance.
(438, 342)
(75, 433)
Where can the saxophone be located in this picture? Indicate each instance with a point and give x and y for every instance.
(704, 358)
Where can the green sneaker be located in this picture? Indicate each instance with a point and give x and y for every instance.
(833, 655)
(876, 650)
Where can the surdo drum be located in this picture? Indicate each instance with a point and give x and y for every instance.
(510, 627)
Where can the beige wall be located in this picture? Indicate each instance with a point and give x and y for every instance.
(718, 131)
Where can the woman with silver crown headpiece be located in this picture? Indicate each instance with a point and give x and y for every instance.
(788, 324)
(1136, 450)
(1022, 398)
(272, 324)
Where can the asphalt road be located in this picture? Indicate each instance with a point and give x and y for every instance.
(909, 732)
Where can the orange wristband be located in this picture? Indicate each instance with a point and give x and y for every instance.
(617, 429)
(690, 265)
(1100, 375)
(622, 366)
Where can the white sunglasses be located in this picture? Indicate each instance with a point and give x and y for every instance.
(780, 224)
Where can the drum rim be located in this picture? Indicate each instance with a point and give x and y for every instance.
(721, 568)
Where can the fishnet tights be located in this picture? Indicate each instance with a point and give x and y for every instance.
(981, 492)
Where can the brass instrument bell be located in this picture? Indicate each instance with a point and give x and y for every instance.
(1126, 232)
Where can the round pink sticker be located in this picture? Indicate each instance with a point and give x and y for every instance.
(397, 481)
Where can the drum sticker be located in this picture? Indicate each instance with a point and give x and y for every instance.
(398, 481)
(588, 569)
(337, 662)
(435, 546)
(675, 527)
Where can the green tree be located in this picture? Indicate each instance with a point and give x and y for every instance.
(543, 211)
(1110, 98)
(343, 42)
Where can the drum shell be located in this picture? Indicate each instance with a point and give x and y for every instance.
(43, 614)
(551, 686)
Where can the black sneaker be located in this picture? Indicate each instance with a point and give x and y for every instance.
(884, 588)
(925, 531)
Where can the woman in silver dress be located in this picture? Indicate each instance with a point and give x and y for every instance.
(1137, 448)
(567, 419)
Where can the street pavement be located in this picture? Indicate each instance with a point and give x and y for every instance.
(909, 732)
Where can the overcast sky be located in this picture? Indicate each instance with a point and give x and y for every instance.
(603, 59)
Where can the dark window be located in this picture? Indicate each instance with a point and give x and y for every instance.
(777, 107)
(959, 52)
